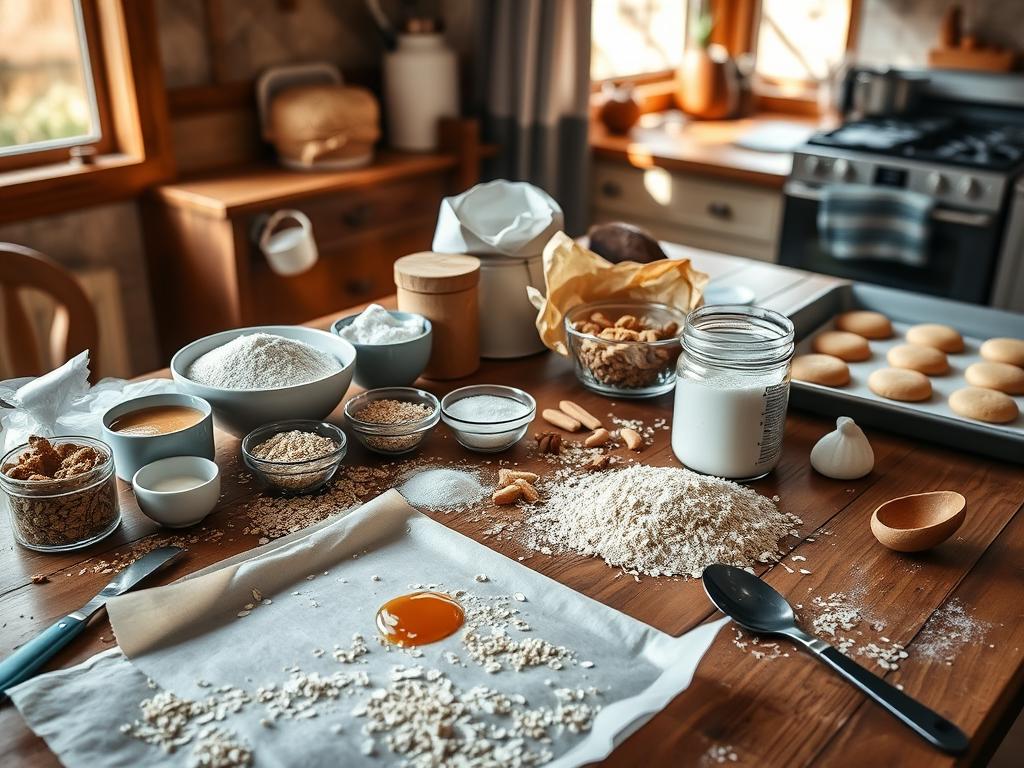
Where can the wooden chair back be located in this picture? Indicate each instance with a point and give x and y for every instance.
(74, 326)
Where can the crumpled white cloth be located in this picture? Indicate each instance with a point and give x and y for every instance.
(61, 402)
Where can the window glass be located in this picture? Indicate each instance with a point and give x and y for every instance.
(46, 91)
(633, 37)
(799, 41)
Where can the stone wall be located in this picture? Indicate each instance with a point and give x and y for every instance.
(901, 32)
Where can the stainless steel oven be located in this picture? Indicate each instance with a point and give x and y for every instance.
(962, 253)
(963, 147)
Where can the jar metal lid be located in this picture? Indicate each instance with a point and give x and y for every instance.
(738, 337)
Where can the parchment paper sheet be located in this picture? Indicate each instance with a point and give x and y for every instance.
(190, 631)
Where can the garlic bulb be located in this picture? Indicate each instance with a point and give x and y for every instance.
(844, 454)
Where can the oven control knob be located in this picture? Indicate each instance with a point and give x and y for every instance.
(812, 165)
(842, 170)
(968, 187)
(936, 183)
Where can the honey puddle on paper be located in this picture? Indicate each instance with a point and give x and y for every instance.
(419, 618)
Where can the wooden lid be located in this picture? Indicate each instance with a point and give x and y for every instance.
(429, 272)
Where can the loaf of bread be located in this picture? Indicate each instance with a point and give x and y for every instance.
(311, 124)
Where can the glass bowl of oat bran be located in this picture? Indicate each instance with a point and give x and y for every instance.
(393, 420)
(294, 456)
(61, 492)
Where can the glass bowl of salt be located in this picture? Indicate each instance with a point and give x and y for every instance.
(488, 418)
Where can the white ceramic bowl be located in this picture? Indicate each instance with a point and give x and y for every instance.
(239, 411)
(177, 508)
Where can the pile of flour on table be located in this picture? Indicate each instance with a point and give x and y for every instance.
(658, 521)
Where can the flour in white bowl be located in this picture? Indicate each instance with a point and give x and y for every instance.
(262, 361)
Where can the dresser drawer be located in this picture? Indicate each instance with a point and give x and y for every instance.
(655, 194)
(338, 217)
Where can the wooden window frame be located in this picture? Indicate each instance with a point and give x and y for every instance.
(135, 151)
(106, 142)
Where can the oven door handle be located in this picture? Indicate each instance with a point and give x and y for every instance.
(803, 191)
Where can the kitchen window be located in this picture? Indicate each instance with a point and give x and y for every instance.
(800, 43)
(49, 100)
(79, 73)
(631, 38)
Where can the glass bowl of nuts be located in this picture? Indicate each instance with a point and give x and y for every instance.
(294, 456)
(61, 492)
(393, 420)
(625, 348)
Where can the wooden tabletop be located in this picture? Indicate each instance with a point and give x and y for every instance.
(706, 147)
(783, 711)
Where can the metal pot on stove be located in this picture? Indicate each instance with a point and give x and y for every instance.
(885, 93)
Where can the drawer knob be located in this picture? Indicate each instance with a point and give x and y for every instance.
(720, 210)
(358, 216)
(611, 189)
(359, 286)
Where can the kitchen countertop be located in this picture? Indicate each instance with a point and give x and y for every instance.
(781, 711)
(706, 147)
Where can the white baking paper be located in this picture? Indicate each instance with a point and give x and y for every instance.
(189, 631)
(61, 402)
(499, 218)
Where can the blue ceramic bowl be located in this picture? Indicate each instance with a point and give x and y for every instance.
(390, 365)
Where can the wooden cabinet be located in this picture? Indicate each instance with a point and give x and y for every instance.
(726, 216)
(208, 273)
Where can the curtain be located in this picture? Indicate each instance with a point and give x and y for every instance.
(532, 89)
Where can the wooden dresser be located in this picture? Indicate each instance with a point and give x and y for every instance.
(208, 273)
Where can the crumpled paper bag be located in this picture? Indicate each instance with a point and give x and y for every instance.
(61, 402)
(575, 275)
(499, 218)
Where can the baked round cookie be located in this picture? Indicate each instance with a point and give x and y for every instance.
(864, 322)
(842, 344)
(984, 405)
(1001, 376)
(900, 384)
(935, 335)
(1004, 351)
(917, 357)
(826, 370)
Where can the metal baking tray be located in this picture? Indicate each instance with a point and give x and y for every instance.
(931, 420)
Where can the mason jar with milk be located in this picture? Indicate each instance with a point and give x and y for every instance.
(506, 225)
(732, 391)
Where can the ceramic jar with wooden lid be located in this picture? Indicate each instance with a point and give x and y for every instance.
(444, 288)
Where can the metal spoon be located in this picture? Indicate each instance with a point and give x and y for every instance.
(755, 606)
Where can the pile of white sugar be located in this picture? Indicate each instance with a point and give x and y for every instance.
(443, 489)
(262, 361)
(375, 325)
(660, 521)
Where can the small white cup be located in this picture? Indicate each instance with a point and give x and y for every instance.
(289, 251)
(177, 509)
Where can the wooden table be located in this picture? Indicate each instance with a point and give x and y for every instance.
(784, 711)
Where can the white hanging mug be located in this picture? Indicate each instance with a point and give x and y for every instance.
(292, 250)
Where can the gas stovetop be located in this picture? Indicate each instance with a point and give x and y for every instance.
(940, 140)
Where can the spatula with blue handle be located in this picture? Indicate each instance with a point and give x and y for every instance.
(29, 658)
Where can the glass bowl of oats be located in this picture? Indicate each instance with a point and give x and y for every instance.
(294, 456)
(625, 348)
(393, 420)
(61, 492)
